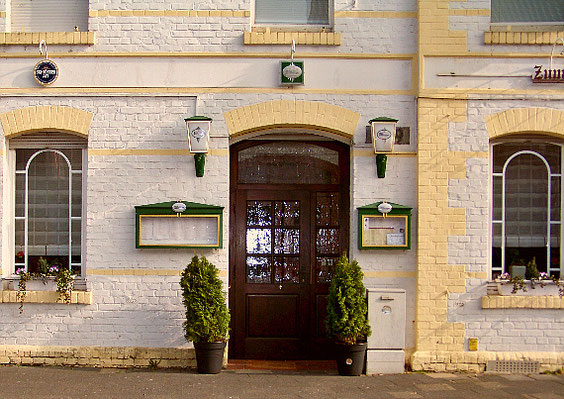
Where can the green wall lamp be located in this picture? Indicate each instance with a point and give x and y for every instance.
(198, 128)
(383, 136)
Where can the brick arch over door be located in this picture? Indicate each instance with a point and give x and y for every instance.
(326, 119)
(46, 118)
(526, 120)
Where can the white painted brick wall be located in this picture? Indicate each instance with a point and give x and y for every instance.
(475, 26)
(127, 311)
(496, 329)
(225, 34)
(147, 311)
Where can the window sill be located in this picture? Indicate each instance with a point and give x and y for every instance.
(301, 38)
(23, 38)
(522, 302)
(527, 38)
(77, 297)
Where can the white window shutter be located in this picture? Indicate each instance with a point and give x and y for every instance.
(49, 15)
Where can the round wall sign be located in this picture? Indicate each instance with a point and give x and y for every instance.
(45, 72)
(384, 208)
(178, 207)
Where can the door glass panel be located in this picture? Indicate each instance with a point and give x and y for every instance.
(324, 269)
(288, 163)
(287, 213)
(259, 241)
(287, 241)
(327, 209)
(258, 269)
(327, 241)
(259, 213)
(287, 269)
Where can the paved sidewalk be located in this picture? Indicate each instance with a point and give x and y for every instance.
(51, 382)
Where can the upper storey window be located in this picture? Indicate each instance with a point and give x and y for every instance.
(292, 12)
(49, 15)
(527, 11)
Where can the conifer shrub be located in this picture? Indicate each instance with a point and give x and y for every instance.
(347, 309)
(207, 315)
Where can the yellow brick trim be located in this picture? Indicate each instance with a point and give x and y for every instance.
(437, 221)
(440, 361)
(169, 13)
(389, 274)
(292, 114)
(530, 38)
(375, 14)
(479, 275)
(434, 29)
(22, 38)
(140, 272)
(464, 12)
(522, 302)
(187, 54)
(46, 118)
(153, 152)
(77, 297)
(96, 356)
(303, 38)
(526, 120)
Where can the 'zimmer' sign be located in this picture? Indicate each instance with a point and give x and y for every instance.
(543, 75)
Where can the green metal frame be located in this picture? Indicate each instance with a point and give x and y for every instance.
(372, 210)
(193, 209)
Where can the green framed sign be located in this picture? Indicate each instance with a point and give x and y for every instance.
(389, 230)
(178, 224)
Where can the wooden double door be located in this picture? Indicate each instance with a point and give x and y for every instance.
(285, 241)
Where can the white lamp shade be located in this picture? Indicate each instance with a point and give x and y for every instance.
(198, 135)
(383, 135)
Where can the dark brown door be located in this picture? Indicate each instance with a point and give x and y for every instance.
(285, 239)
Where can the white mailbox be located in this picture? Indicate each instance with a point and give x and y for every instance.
(387, 317)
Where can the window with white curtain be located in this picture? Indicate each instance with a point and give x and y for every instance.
(49, 15)
(527, 11)
(292, 12)
(527, 205)
(48, 213)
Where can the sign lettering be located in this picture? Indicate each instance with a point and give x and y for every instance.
(543, 75)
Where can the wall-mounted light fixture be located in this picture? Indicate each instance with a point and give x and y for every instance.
(198, 140)
(383, 136)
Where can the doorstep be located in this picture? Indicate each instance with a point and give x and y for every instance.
(282, 365)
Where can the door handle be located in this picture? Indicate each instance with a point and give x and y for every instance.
(280, 286)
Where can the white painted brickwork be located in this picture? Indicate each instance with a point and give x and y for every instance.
(146, 311)
(225, 34)
(475, 26)
(531, 330)
(127, 311)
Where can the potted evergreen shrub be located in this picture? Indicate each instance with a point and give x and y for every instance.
(347, 316)
(207, 316)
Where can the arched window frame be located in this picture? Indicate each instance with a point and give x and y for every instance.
(501, 268)
(56, 143)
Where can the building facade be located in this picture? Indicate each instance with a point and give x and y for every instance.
(289, 164)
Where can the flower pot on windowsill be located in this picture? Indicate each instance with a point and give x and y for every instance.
(550, 288)
(46, 283)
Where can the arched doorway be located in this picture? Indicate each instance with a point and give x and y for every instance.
(289, 223)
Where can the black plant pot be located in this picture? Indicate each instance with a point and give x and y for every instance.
(350, 358)
(209, 356)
